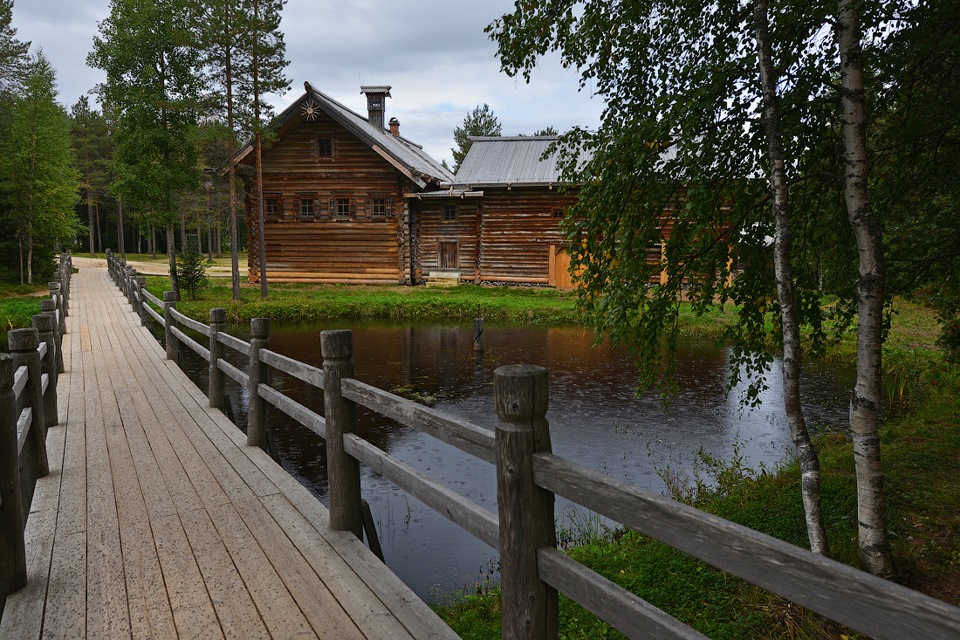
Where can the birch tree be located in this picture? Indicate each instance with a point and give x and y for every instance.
(701, 98)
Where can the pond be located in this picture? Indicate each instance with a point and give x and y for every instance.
(595, 416)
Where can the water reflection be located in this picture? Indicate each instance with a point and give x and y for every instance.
(596, 419)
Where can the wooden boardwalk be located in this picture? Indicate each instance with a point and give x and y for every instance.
(157, 521)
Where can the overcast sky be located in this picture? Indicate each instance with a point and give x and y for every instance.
(432, 52)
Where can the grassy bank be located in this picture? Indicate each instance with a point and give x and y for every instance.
(18, 304)
(921, 463)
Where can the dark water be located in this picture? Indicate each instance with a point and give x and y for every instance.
(595, 418)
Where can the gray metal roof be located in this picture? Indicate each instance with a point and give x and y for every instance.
(508, 160)
(408, 157)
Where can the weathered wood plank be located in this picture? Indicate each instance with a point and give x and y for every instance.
(877, 607)
(277, 608)
(236, 611)
(236, 344)
(20, 378)
(307, 418)
(232, 372)
(458, 433)
(193, 612)
(447, 502)
(628, 613)
(320, 607)
(305, 372)
(190, 323)
(195, 346)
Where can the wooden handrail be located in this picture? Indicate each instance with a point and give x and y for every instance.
(28, 407)
(532, 569)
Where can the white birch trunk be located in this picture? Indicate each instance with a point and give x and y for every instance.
(865, 402)
(792, 356)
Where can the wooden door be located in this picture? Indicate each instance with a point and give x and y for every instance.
(449, 255)
(559, 273)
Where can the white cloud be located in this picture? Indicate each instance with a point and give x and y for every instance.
(432, 52)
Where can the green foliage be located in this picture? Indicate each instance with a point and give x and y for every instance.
(152, 87)
(191, 270)
(13, 53)
(480, 122)
(93, 147)
(38, 177)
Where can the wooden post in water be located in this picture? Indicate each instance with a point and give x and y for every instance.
(478, 334)
(169, 302)
(43, 323)
(218, 323)
(49, 307)
(13, 556)
(529, 605)
(340, 416)
(23, 347)
(257, 373)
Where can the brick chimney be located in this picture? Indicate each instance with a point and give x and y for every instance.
(395, 127)
(376, 103)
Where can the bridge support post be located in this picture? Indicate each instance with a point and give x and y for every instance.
(340, 416)
(169, 302)
(49, 307)
(13, 556)
(23, 347)
(257, 373)
(43, 323)
(218, 323)
(529, 605)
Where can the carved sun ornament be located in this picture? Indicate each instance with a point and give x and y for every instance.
(310, 110)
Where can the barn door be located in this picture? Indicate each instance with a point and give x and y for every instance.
(449, 255)
(559, 272)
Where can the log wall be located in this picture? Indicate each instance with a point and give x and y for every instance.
(308, 236)
(517, 231)
(463, 233)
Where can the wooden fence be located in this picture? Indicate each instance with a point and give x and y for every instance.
(28, 407)
(529, 475)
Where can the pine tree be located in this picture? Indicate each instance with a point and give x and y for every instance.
(480, 122)
(153, 83)
(40, 180)
(13, 53)
(92, 146)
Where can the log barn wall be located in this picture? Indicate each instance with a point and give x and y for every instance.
(332, 213)
(462, 233)
(519, 226)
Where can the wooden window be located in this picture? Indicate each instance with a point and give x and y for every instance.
(558, 212)
(272, 206)
(379, 207)
(306, 208)
(449, 212)
(324, 147)
(343, 208)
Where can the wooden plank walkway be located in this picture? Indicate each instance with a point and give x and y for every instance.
(157, 521)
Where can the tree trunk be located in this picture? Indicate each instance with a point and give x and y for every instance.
(231, 173)
(90, 218)
(792, 355)
(258, 141)
(865, 400)
(96, 216)
(172, 254)
(120, 238)
(20, 247)
(29, 252)
(262, 250)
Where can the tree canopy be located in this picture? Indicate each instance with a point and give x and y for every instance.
(479, 122)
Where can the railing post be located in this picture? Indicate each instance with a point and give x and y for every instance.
(23, 347)
(49, 307)
(169, 303)
(528, 605)
(43, 323)
(58, 300)
(340, 416)
(61, 289)
(257, 373)
(218, 323)
(13, 556)
(131, 286)
(141, 303)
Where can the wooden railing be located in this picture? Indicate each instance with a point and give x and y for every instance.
(28, 407)
(529, 475)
